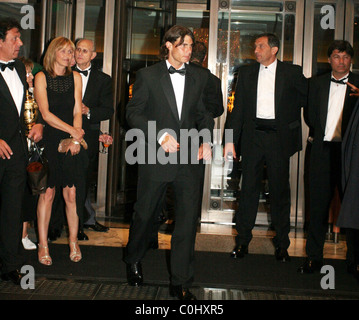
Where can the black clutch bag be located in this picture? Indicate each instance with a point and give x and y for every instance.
(37, 171)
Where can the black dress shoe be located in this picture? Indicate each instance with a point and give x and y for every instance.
(82, 236)
(310, 266)
(15, 276)
(239, 251)
(134, 274)
(282, 255)
(96, 227)
(181, 293)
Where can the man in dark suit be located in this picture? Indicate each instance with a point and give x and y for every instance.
(266, 121)
(328, 112)
(168, 95)
(213, 100)
(213, 91)
(97, 106)
(13, 149)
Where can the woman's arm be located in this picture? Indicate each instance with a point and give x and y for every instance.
(78, 101)
(40, 94)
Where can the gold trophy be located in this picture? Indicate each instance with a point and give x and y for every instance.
(30, 115)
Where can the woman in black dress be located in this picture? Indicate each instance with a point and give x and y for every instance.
(58, 94)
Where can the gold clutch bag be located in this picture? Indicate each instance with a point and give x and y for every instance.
(64, 144)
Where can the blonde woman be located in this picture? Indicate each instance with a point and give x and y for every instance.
(58, 94)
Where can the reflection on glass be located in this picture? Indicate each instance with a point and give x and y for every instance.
(147, 4)
(145, 37)
(356, 37)
(321, 41)
(235, 48)
(196, 19)
(30, 37)
(257, 5)
(288, 43)
(94, 27)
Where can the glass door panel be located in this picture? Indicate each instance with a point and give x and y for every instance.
(238, 24)
(29, 20)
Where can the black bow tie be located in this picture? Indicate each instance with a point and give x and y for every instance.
(9, 65)
(338, 81)
(84, 72)
(172, 70)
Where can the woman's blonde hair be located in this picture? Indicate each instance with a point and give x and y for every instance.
(50, 55)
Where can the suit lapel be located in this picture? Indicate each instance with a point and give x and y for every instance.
(90, 85)
(22, 77)
(167, 87)
(279, 85)
(188, 86)
(324, 99)
(253, 86)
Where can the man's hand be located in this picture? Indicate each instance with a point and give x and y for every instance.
(105, 138)
(170, 144)
(85, 110)
(5, 150)
(204, 152)
(36, 132)
(29, 79)
(229, 148)
(355, 90)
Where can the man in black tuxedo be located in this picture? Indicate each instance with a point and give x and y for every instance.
(266, 121)
(13, 149)
(97, 106)
(328, 112)
(213, 91)
(167, 102)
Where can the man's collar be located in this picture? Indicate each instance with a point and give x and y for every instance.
(88, 68)
(272, 67)
(169, 65)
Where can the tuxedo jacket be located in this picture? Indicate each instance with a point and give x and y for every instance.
(154, 101)
(317, 107)
(99, 98)
(213, 97)
(12, 128)
(348, 216)
(290, 96)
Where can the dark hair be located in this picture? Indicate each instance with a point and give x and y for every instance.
(172, 35)
(273, 40)
(6, 25)
(341, 46)
(199, 52)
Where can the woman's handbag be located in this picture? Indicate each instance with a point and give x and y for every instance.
(37, 171)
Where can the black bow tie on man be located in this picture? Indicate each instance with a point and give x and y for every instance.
(84, 72)
(338, 81)
(172, 70)
(9, 65)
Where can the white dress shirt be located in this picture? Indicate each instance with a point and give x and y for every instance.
(265, 91)
(178, 87)
(84, 78)
(178, 82)
(14, 84)
(333, 126)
